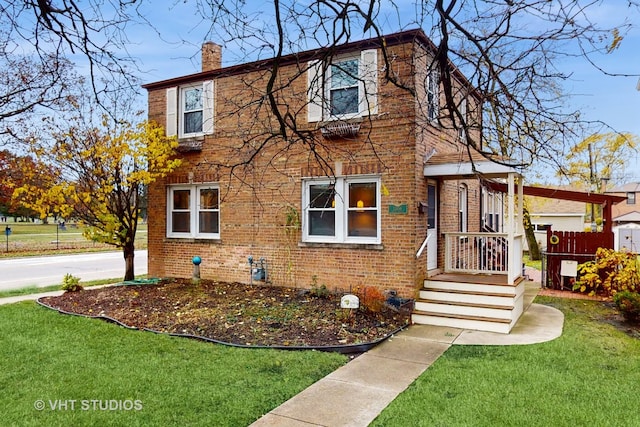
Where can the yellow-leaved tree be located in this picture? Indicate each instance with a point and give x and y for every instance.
(599, 158)
(101, 173)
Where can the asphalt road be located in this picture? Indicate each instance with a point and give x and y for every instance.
(16, 273)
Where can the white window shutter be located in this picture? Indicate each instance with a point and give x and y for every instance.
(207, 106)
(314, 91)
(369, 76)
(171, 127)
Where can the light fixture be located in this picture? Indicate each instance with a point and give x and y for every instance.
(360, 205)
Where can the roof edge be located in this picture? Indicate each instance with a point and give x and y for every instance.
(304, 56)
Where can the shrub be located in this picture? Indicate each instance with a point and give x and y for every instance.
(71, 283)
(320, 291)
(371, 299)
(611, 272)
(628, 303)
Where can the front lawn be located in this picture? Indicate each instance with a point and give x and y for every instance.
(66, 370)
(590, 376)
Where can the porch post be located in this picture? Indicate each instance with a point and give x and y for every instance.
(606, 213)
(512, 226)
(520, 227)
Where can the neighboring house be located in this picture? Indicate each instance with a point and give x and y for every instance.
(632, 192)
(370, 190)
(557, 214)
(626, 217)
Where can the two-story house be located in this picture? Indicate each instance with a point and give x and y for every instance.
(341, 167)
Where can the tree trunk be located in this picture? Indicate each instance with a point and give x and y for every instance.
(534, 249)
(129, 253)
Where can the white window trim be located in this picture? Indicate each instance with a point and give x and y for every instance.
(182, 111)
(541, 227)
(433, 88)
(341, 186)
(319, 87)
(492, 208)
(329, 87)
(194, 211)
(463, 208)
(462, 125)
(175, 103)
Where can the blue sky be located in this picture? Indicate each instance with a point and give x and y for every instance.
(611, 99)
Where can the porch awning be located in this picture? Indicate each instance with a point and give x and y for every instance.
(552, 193)
(463, 165)
(606, 200)
(467, 170)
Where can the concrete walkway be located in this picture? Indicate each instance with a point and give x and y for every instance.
(356, 393)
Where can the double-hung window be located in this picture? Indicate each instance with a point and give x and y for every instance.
(193, 211)
(462, 121)
(344, 87)
(344, 210)
(190, 110)
(433, 94)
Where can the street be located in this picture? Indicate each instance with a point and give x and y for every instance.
(16, 273)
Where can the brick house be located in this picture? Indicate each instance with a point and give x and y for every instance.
(368, 188)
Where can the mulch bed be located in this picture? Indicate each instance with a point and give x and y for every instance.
(235, 313)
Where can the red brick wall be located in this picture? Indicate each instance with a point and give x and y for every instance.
(256, 197)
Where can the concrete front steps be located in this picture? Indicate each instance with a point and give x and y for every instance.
(483, 303)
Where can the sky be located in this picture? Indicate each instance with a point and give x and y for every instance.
(614, 100)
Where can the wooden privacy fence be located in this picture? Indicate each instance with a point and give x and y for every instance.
(578, 246)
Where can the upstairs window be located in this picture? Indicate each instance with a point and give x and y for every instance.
(631, 198)
(462, 122)
(344, 88)
(433, 94)
(190, 110)
(346, 210)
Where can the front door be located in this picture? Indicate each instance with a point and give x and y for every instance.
(432, 226)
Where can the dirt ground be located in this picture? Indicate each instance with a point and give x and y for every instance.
(236, 313)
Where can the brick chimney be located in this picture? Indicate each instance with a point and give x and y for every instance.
(211, 56)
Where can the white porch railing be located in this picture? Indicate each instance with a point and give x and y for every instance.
(483, 253)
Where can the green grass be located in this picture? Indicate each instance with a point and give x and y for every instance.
(48, 357)
(590, 376)
(29, 239)
(36, 290)
(529, 263)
